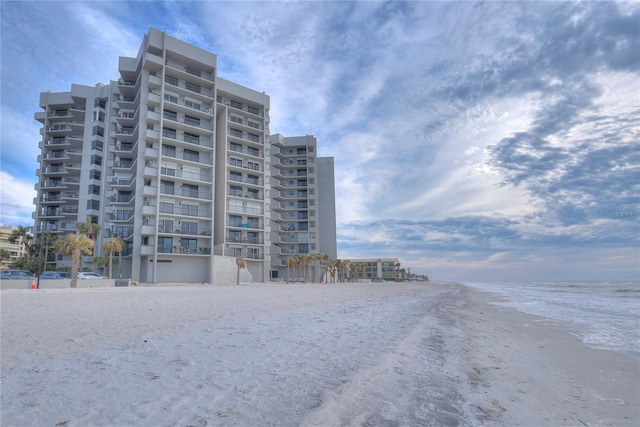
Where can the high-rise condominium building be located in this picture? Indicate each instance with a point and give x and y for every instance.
(171, 157)
(303, 201)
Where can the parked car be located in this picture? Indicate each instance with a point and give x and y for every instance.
(377, 280)
(16, 274)
(55, 275)
(89, 275)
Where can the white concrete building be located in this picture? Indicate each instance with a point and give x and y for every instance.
(171, 157)
(303, 201)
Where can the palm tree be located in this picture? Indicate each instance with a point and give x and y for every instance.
(290, 263)
(298, 261)
(75, 246)
(47, 239)
(324, 264)
(307, 260)
(91, 230)
(331, 269)
(241, 264)
(4, 254)
(22, 235)
(114, 244)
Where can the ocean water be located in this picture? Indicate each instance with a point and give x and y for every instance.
(606, 314)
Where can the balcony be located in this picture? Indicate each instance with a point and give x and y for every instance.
(245, 239)
(244, 165)
(194, 176)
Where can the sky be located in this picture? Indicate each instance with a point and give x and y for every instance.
(474, 141)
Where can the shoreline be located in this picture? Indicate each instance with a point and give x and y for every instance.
(551, 371)
(428, 353)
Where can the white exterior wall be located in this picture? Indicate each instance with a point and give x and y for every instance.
(327, 207)
(302, 185)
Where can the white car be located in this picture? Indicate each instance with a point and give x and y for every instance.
(89, 275)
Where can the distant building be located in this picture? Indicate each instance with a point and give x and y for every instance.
(303, 201)
(171, 157)
(16, 250)
(375, 268)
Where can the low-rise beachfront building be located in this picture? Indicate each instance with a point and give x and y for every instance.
(15, 250)
(176, 161)
(365, 269)
(303, 202)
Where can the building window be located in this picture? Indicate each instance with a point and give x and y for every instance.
(98, 116)
(189, 245)
(192, 137)
(235, 220)
(189, 227)
(98, 130)
(191, 155)
(165, 244)
(189, 190)
(168, 150)
(97, 145)
(99, 103)
(189, 210)
(166, 187)
(168, 170)
(253, 253)
(169, 133)
(122, 215)
(93, 204)
(93, 174)
(191, 104)
(166, 226)
(94, 189)
(171, 115)
(166, 207)
(171, 80)
(192, 87)
(96, 160)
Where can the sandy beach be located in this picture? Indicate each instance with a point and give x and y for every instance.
(375, 354)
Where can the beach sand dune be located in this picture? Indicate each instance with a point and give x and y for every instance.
(430, 354)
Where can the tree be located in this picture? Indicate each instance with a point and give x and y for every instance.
(298, 261)
(324, 260)
(22, 235)
(331, 269)
(114, 244)
(47, 239)
(91, 230)
(75, 246)
(308, 260)
(290, 263)
(241, 264)
(4, 254)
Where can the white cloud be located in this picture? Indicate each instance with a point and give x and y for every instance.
(16, 200)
